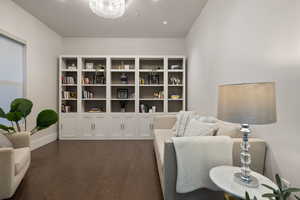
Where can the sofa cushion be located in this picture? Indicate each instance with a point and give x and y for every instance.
(4, 142)
(22, 157)
(160, 136)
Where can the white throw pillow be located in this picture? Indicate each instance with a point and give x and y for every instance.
(208, 119)
(175, 127)
(196, 127)
(183, 118)
(4, 142)
(228, 129)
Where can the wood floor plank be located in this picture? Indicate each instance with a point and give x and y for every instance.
(92, 170)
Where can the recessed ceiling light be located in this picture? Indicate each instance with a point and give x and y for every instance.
(165, 22)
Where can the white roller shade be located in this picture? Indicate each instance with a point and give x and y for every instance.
(11, 72)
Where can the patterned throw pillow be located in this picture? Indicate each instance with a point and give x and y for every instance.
(4, 142)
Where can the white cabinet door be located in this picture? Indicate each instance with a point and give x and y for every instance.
(101, 127)
(145, 127)
(86, 124)
(116, 127)
(123, 127)
(70, 127)
(130, 125)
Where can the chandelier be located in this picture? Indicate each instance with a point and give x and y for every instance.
(109, 9)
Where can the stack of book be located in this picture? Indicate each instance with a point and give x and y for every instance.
(68, 80)
(87, 94)
(68, 95)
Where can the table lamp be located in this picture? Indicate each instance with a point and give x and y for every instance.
(246, 104)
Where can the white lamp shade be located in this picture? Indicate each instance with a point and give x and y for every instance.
(249, 103)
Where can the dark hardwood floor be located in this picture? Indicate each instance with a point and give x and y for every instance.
(92, 170)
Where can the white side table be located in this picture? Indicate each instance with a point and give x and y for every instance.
(223, 177)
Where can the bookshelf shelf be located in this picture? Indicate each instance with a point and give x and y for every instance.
(70, 99)
(69, 85)
(151, 99)
(116, 99)
(122, 70)
(151, 85)
(93, 99)
(175, 99)
(93, 70)
(93, 85)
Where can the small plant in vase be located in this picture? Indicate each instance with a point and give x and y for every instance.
(280, 193)
(19, 110)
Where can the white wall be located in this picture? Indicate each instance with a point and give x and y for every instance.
(247, 41)
(43, 48)
(124, 46)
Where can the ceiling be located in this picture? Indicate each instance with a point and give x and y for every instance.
(143, 18)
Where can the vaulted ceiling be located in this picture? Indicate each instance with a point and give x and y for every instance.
(143, 18)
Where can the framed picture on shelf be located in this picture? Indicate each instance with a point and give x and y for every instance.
(122, 93)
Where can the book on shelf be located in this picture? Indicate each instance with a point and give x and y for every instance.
(87, 94)
(69, 95)
(97, 79)
(68, 80)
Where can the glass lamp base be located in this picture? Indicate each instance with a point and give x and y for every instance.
(252, 183)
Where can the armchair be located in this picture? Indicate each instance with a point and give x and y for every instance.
(14, 163)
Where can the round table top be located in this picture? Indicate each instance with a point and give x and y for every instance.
(223, 177)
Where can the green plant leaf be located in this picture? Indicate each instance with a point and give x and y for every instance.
(269, 187)
(278, 181)
(247, 196)
(2, 114)
(270, 195)
(45, 119)
(21, 105)
(14, 116)
(292, 190)
(286, 195)
(6, 128)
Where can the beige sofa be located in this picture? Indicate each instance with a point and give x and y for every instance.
(14, 163)
(167, 166)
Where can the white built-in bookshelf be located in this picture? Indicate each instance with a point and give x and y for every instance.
(128, 86)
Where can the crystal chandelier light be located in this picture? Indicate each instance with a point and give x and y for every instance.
(109, 9)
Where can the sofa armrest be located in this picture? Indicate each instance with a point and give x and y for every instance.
(20, 140)
(164, 122)
(6, 171)
(258, 150)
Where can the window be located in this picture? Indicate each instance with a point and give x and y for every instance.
(11, 72)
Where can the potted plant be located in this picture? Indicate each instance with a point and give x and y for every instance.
(281, 193)
(20, 108)
(278, 194)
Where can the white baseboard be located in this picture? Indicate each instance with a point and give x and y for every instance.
(43, 140)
